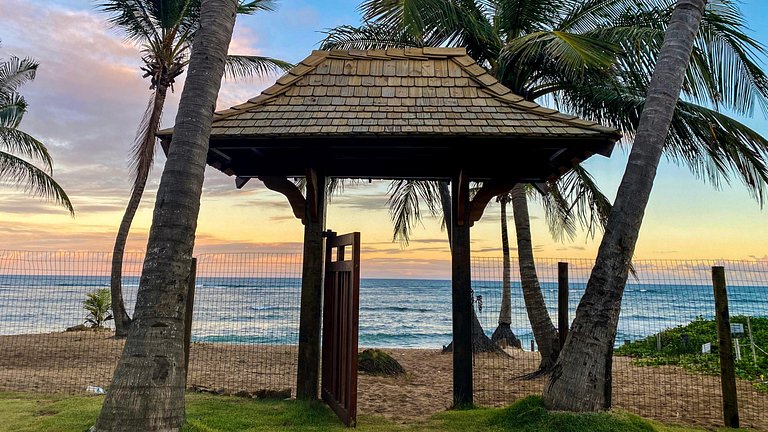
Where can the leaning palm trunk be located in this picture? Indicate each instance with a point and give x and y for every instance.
(503, 335)
(581, 379)
(147, 144)
(544, 331)
(147, 391)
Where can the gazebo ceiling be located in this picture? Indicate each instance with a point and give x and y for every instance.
(398, 113)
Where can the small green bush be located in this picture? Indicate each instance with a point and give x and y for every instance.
(378, 362)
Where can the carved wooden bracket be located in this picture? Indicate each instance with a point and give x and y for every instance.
(487, 192)
(290, 190)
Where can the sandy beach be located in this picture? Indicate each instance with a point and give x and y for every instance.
(68, 362)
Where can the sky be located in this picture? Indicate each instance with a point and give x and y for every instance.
(89, 96)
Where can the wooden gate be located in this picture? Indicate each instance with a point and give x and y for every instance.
(340, 323)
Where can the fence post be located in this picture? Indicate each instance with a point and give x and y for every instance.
(188, 315)
(725, 348)
(562, 301)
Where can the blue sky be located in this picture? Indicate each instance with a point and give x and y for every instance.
(89, 95)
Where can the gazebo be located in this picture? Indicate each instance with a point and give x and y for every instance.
(426, 113)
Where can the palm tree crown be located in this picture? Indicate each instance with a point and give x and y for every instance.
(165, 30)
(16, 144)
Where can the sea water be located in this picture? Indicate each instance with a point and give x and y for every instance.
(407, 313)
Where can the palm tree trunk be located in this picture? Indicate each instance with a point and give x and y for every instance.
(581, 379)
(503, 334)
(147, 391)
(122, 320)
(544, 331)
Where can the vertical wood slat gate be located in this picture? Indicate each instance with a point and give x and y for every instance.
(341, 302)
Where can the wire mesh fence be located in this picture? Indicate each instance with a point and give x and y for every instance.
(244, 332)
(246, 318)
(666, 322)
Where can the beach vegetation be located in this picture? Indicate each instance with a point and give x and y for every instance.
(26, 412)
(98, 305)
(149, 382)
(164, 30)
(17, 146)
(682, 346)
(378, 362)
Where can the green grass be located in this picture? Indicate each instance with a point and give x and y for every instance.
(681, 346)
(23, 412)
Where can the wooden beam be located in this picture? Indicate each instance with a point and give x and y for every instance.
(313, 194)
(725, 349)
(487, 192)
(461, 280)
(310, 318)
(290, 190)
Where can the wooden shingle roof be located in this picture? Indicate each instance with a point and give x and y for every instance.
(424, 113)
(404, 92)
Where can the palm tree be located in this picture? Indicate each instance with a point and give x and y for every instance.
(503, 334)
(147, 390)
(98, 304)
(164, 29)
(580, 381)
(16, 144)
(594, 59)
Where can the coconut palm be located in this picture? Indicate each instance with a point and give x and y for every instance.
(97, 305)
(164, 30)
(580, 381)
(147, 390)
(15, 144)
(594, 59)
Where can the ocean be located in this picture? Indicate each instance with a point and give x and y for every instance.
(405, 313)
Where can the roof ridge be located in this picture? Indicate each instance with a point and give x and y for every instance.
(498, 91)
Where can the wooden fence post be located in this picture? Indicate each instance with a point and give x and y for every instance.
(562, 302)
(188, 315)
(725, 348)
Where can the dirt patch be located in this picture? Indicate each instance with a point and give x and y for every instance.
(69, 362)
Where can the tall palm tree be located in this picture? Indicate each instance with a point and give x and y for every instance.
(594, 59)
(164, 29)
(147, 390)
(16, 144)
(580, 381)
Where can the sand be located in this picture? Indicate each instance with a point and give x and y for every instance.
(68, 362)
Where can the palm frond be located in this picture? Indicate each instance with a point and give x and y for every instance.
(405, 201)
(21, 143)
(240, 66)
(12, 109)
(714, 146)
(367, 37)
(246, 7)
(143, 147)
(14, 72)
(132, 17)
(575, 197)
(519, 17)
(22, 174)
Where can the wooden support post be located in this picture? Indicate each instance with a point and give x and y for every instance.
(461, 292)
(310, 320)
(725, 348)
(190, 306)
(562, 302)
